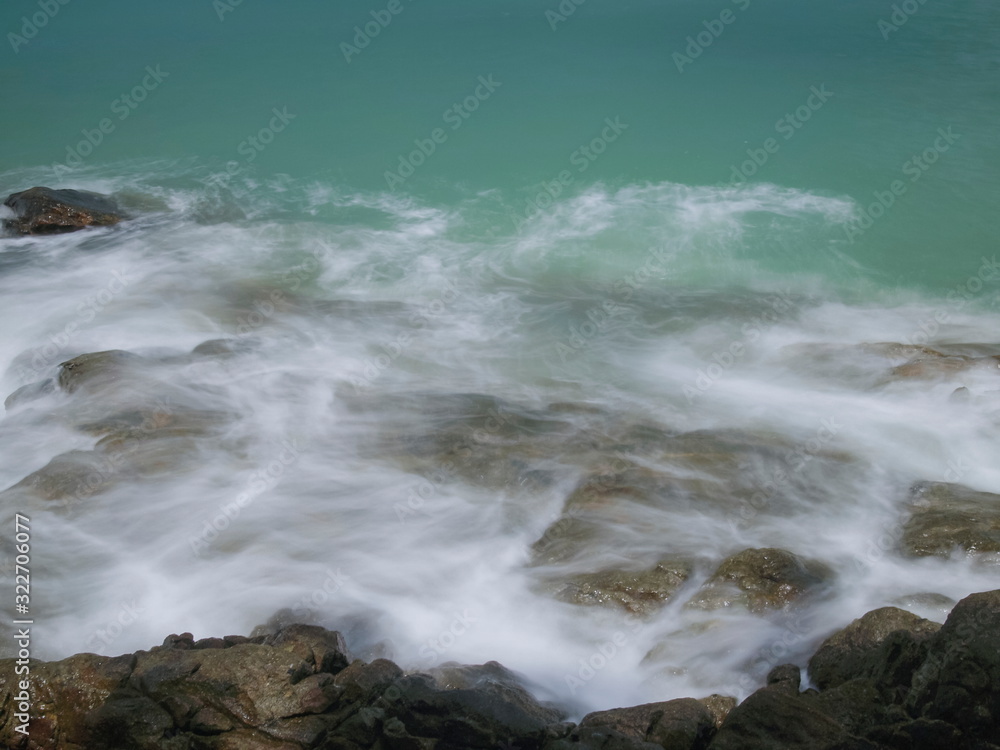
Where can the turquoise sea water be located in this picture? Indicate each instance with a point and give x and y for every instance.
(354, 119)
(618, 219)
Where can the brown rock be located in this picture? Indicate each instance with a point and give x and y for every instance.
(639, 592)
(946, 517)
(719, 706)
(761, 579)
(42, 210)
(63, 693)
(102, 368)
(941, 367)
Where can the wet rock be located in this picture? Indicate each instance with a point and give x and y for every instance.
(638, 592)
(42, 210)
(787, 677)
(942, 367)
(570, 537)
(961, 396)
(293, 689)
(247, 684)
(774, 719)
(471, 718)
(630, 482)
(452, 676)
(220, 348)
(928, 601)
(290, 689)
(864, 365)
(921, 733)
(882, 363)
(857, 650)
(476, 438)
(684, 724)
(30, 392)
(946, 517)
(101, 368)
(900, 352)
(363, 682)
(599, 738)
(145, 425)
(130, 721)
(719, 706)
(135, 444)
(857, 705)
(730, 474)
(75, 475)
(760, 580)
(323, 649)
(959, 682)
(63, 693)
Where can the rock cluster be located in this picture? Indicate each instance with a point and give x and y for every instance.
(888, 681)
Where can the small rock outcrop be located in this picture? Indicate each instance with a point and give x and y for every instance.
(761, 580)
(42, 210)
(945, 517)
(640, 592)
(859, 650)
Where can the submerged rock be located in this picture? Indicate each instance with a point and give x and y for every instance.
(881, 363)
(946, 517)
(30, 392)
(42, 210)
(144, 425)
(761, 579)
(638, 592)
(476, 438)
(103, 368)
(942, 367)
(71, 475)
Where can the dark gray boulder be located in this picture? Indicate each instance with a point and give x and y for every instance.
(682, 724)
(775, 719)
(857, 650)
(959, 682)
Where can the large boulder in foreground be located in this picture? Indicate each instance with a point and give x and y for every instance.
(959, 682)
(296, 689)
(774, 718)
(858, 650)
(42, 210)
(290, 690)
(682, 724)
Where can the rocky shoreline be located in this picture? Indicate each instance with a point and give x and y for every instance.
(888, 681)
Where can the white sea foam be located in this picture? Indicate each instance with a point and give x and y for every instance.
(343, 312)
